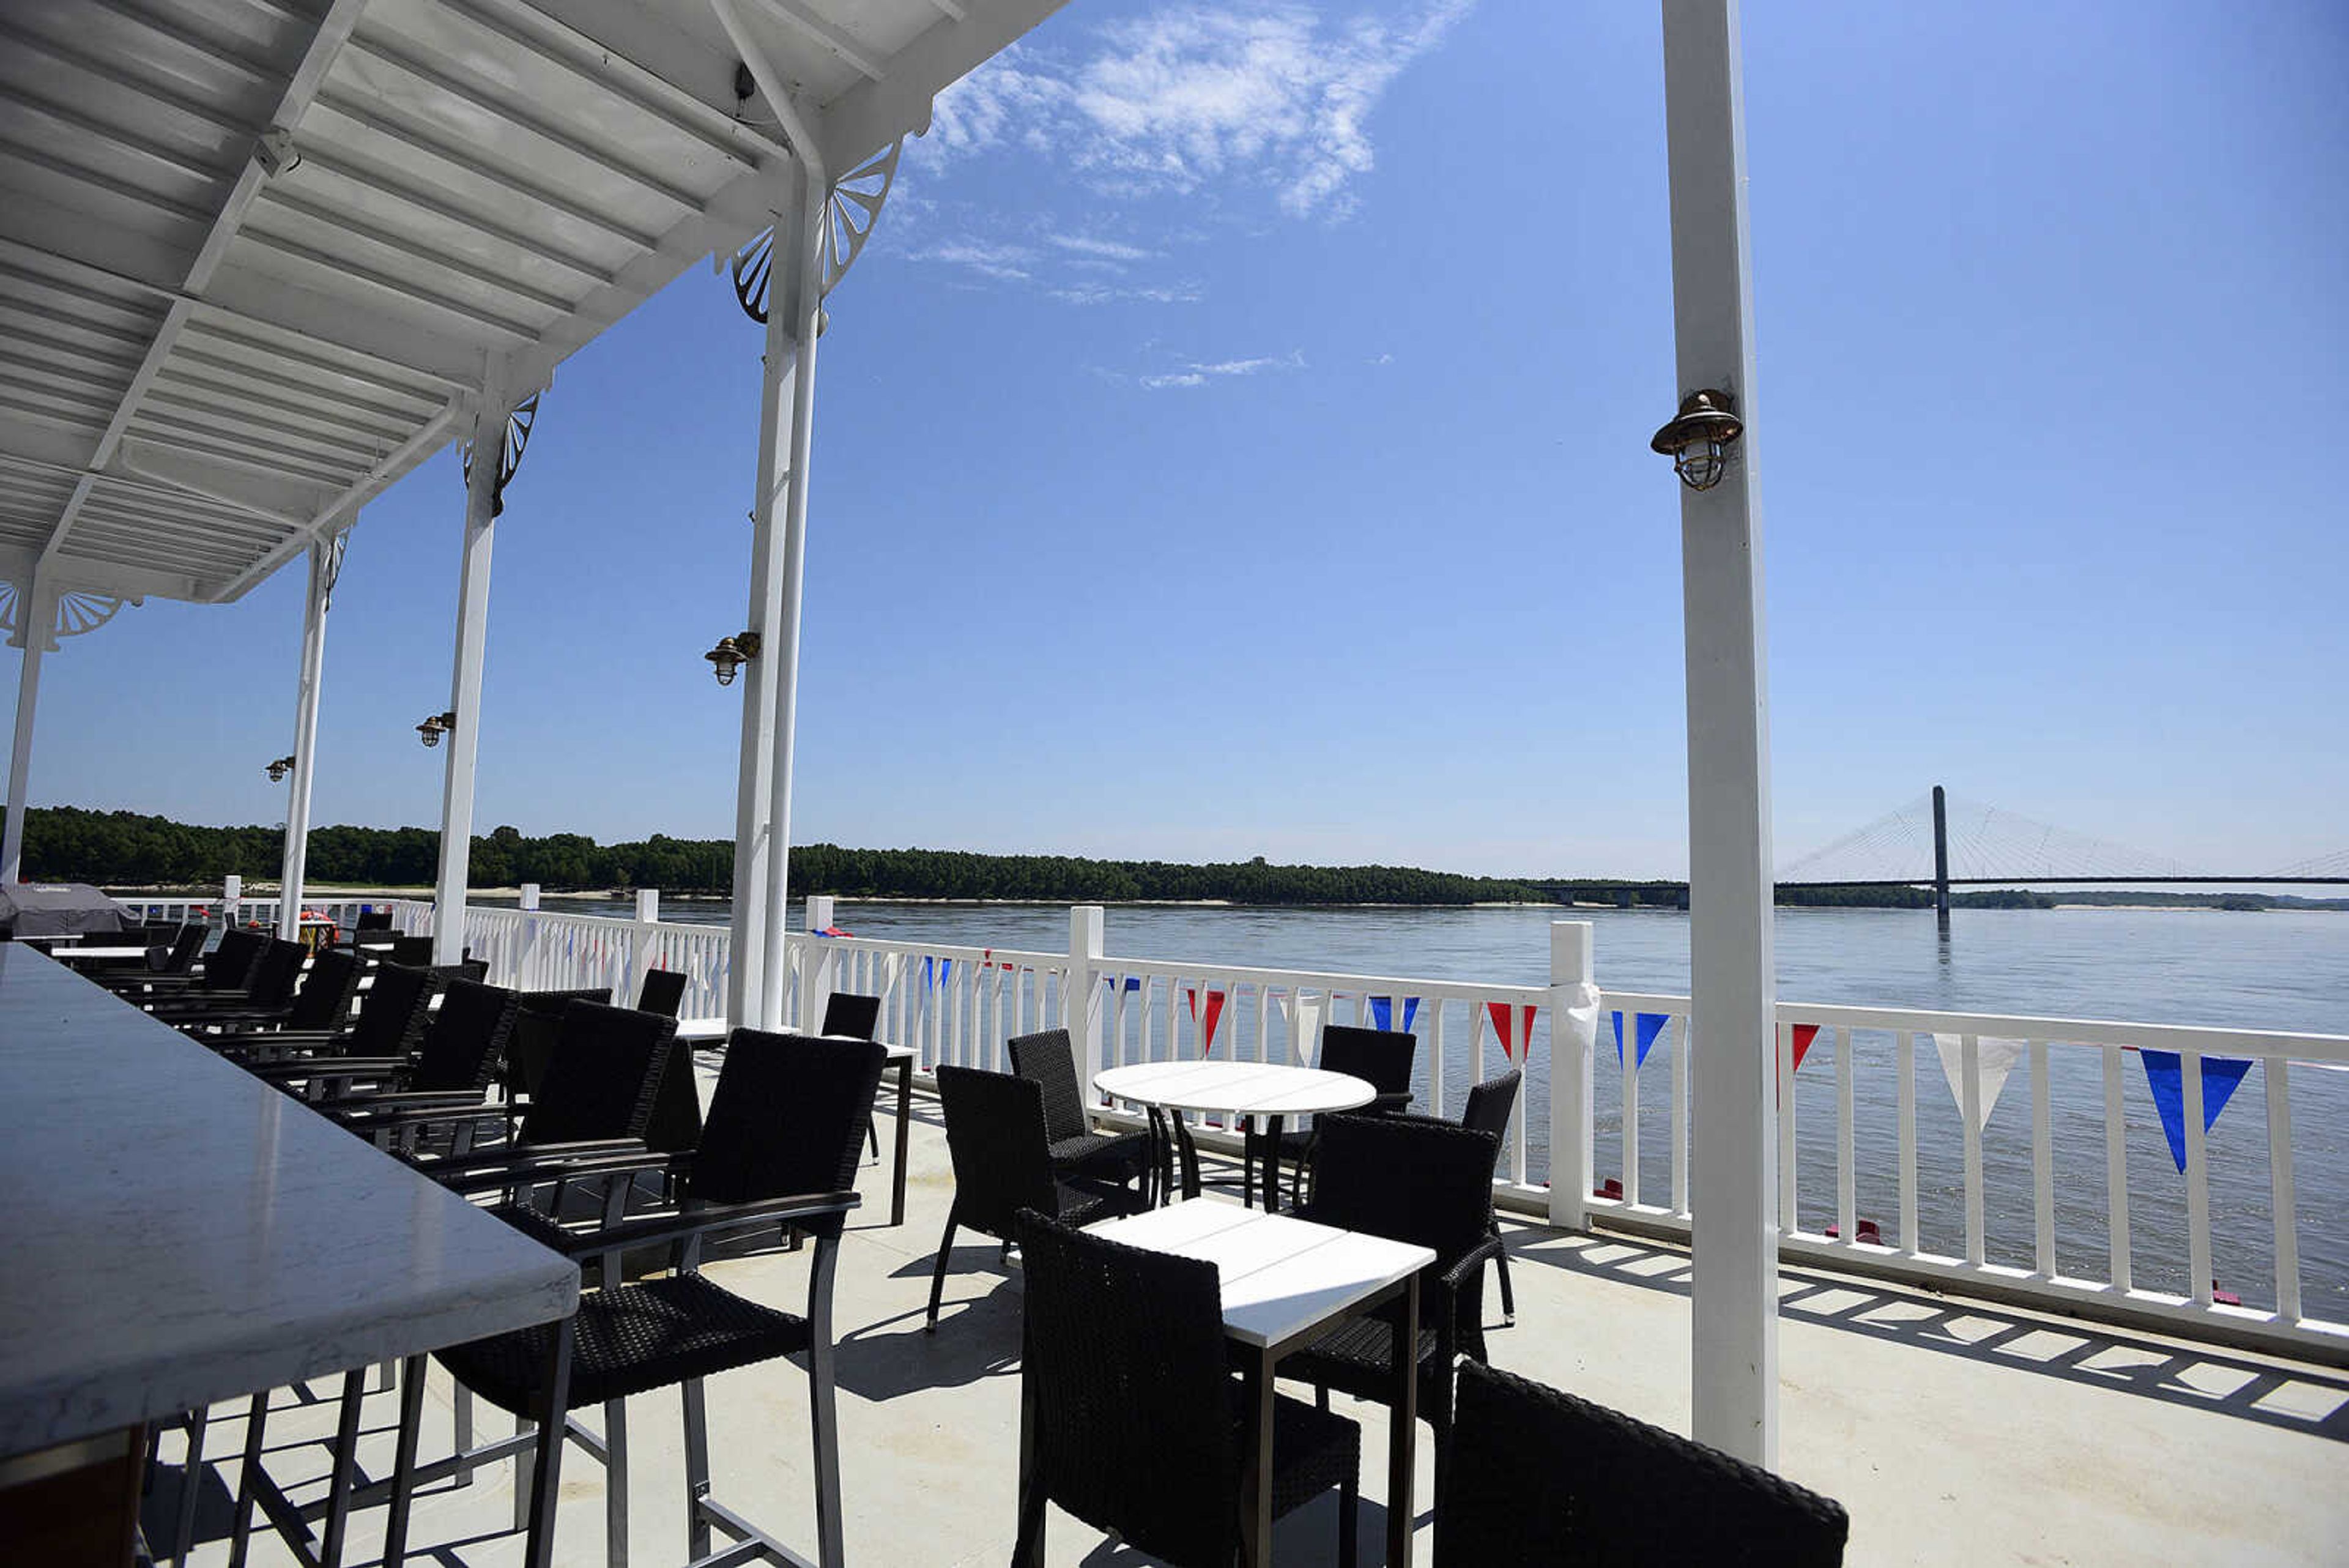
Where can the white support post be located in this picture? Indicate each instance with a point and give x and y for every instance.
(306, 740)
(36, 613)
(796, 292)
(527, 967)
(465, 682)
(1733, 1241)
(1572, 991)
(816, 963)
(647, 936)
(1080, 998)
(232, 896)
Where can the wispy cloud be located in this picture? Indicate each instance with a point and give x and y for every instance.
(1004, 263)
(1273, 95)
(1100, 250)
(1199, 374)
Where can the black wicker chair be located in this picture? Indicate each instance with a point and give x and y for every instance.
(853, 1015)
(532, 1045)
(225, 968)
(780, 1149)
(1380, 1057)
(1132, 1421)
(463, 1048)
(1487, 1111)
(1539, 1476)
(1046, 1060)
(662, 992)
(322, 1005)
(266, 998)
(1003, 1164)
(1410, 1179)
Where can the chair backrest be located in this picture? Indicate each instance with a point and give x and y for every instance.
(536, 1024)
(398, 1003)
(1426, 1182)
(1044, 1060)
(788, 1117)
(1380, 1057)
(466, 1041)
(186, 943)
(276, 973)
(604, 1075)
(1490, 1103)
(851, 1016)
(662, 992)
(1535, 1475)
(411, 949)
(230, 963)
(1124, 1358)
(373, 920)
(326, 990)
(995, 1135)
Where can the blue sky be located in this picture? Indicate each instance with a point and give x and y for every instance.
(1234, 443)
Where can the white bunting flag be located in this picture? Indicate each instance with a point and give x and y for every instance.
(1994, 1059)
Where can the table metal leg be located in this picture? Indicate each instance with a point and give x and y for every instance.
(1256, 1499)
(1402, 1431)
(904, 1137)
(1190, 1152)
(1268, 1153)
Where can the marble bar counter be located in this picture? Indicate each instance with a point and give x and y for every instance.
(175, 1232)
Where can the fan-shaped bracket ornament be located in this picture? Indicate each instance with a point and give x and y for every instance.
(517, 423)
(77, 610)
(850, 212)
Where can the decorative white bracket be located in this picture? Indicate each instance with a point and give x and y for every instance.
(849, 212)
(77, 610)
(517, 422)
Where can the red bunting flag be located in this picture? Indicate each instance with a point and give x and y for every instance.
(1514, 1040)
(1214, 1019)
(1802, 1034)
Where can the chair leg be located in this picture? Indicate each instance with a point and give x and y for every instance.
(696, 1470)
(824, 1414)
(938, 1274)
(616, 1483)
(403, 1462)
(191, 1475)
(1350, 1527)
(1509, 1297)
(248, 1480)
(546, 1458)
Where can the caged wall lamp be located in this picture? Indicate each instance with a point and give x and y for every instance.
(279, 769)
(1698, 441)
(732, 653)
(432, 728)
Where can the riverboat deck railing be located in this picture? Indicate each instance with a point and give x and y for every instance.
(2107, 1231)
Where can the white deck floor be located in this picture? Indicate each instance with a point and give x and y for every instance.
(1953, 1433)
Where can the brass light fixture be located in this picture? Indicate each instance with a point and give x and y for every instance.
(432, 728)
(732, 653)
(1699, 440)
(279, 769)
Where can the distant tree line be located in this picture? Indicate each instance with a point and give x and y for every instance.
(122, 848)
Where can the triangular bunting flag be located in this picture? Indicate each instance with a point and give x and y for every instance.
(1994, 1059)
(1383, 1012)
(1215, 1016)
(1514, 1040)
(2165, 1075)
(1648, 1028)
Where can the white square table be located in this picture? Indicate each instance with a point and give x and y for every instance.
(1285, 1281)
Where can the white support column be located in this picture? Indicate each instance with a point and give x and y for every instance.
(647, 937)
(818, 978)
(306, 739)
(465, 682)
(796, 294)
(1573, 1031)
(1735, 1238)
(754, 783)
(1080, 997)
(36, 613)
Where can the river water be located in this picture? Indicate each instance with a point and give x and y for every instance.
(2274, 969)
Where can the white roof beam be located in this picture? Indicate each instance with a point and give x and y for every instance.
(415, 250)
(328, 37)
(186, 165)
(871, 115)
(804, 19)
(262, 491)
(100, 577)
(202, 391)
(428, 200)
(253, 70)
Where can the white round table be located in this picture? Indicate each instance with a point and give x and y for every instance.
(1262, 1092)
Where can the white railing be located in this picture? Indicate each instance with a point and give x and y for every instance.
(1875, 1174)
(343, 910)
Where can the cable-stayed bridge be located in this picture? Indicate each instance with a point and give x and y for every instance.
(1940, 839)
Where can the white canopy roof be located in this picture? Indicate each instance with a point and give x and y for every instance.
(259, 258)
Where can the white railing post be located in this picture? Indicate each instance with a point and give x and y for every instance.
(816, 963)
(647, 933)
(1080, 1002)
(231, 895)
(526, 965)
(1573, 1031)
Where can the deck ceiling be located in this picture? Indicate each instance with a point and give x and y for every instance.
(259, 258)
